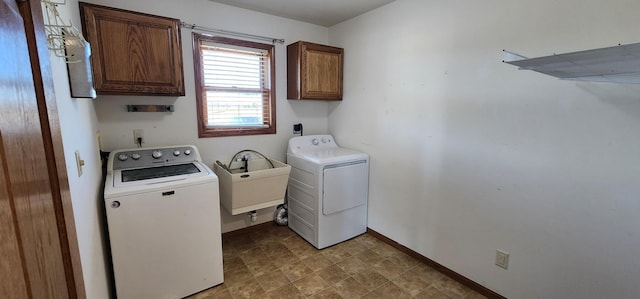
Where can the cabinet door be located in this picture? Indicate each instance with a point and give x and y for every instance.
(321, 69)
(314, 71)
(133, 53)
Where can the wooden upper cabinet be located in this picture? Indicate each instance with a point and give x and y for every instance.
(133, 53)
(314, 72)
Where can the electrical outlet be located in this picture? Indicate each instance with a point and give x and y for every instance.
(138, 134)
(502, 259)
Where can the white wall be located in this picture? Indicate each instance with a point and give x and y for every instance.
(81, 119)
(78, 124)
(179, 127)
(470, 155)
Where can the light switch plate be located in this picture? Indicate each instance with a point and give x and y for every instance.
(79, 163)
(502, 259)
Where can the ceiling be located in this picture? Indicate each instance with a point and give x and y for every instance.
(320, 12)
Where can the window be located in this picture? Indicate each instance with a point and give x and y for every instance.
(235, 86)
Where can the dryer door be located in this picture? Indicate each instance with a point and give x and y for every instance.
(345, 185)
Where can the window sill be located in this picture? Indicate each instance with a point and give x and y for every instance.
(205, 132)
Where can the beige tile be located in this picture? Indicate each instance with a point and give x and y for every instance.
(371, 295)
(288, 291)
(317, 262)
(350, 288)
(272, 280)
(262, 267)
(451, 288)
(228, 251)
(352, 265)
(285, 258)
(241, 244)
(224, 294)
(336, 254)
(369, 241)
(388, 269)
(296, 271)
(282, 232)
(370, 279)
(369, 257)
(253, 255)
(390, 290)
(426, 273)
(332, 274)
(354, 247)
(410, 283)
(262, 237)
(403, 260)
(431, 293)
(303, 252)
(329, 293)
(237, 275)
(384, 250)
(249, 289)
(311, 285)
(231, 262)
(275, 249)
(219, 291)
(296, 242)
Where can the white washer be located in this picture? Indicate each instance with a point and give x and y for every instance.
(163, 214)
(328, 190)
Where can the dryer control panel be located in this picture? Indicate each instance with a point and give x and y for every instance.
(311, 143)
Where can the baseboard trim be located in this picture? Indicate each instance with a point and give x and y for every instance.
(431, 263)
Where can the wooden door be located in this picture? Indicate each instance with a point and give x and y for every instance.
(37, 260)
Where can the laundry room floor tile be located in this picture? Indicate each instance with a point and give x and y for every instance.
(274, 262)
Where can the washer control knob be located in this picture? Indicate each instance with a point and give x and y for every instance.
(315, 141)
(176, 153)
(123, 157)
(135, 156)
(187, 152)
(156, 154)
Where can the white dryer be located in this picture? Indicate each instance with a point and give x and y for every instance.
(328, 190)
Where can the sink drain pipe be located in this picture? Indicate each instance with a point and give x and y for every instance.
(253, 215)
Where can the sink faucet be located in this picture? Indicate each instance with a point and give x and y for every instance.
(245, 158)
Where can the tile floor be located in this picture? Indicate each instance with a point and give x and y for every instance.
(274, 262)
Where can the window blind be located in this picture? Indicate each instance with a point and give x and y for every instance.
(236, 85)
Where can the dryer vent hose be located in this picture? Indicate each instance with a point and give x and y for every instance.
(281, 215)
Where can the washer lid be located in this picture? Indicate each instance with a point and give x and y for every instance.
(157, 175)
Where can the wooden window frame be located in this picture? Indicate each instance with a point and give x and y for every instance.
(207, 131)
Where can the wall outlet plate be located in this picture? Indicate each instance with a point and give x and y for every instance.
(502, 259)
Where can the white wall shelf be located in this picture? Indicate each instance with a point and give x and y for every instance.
(619, 64)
